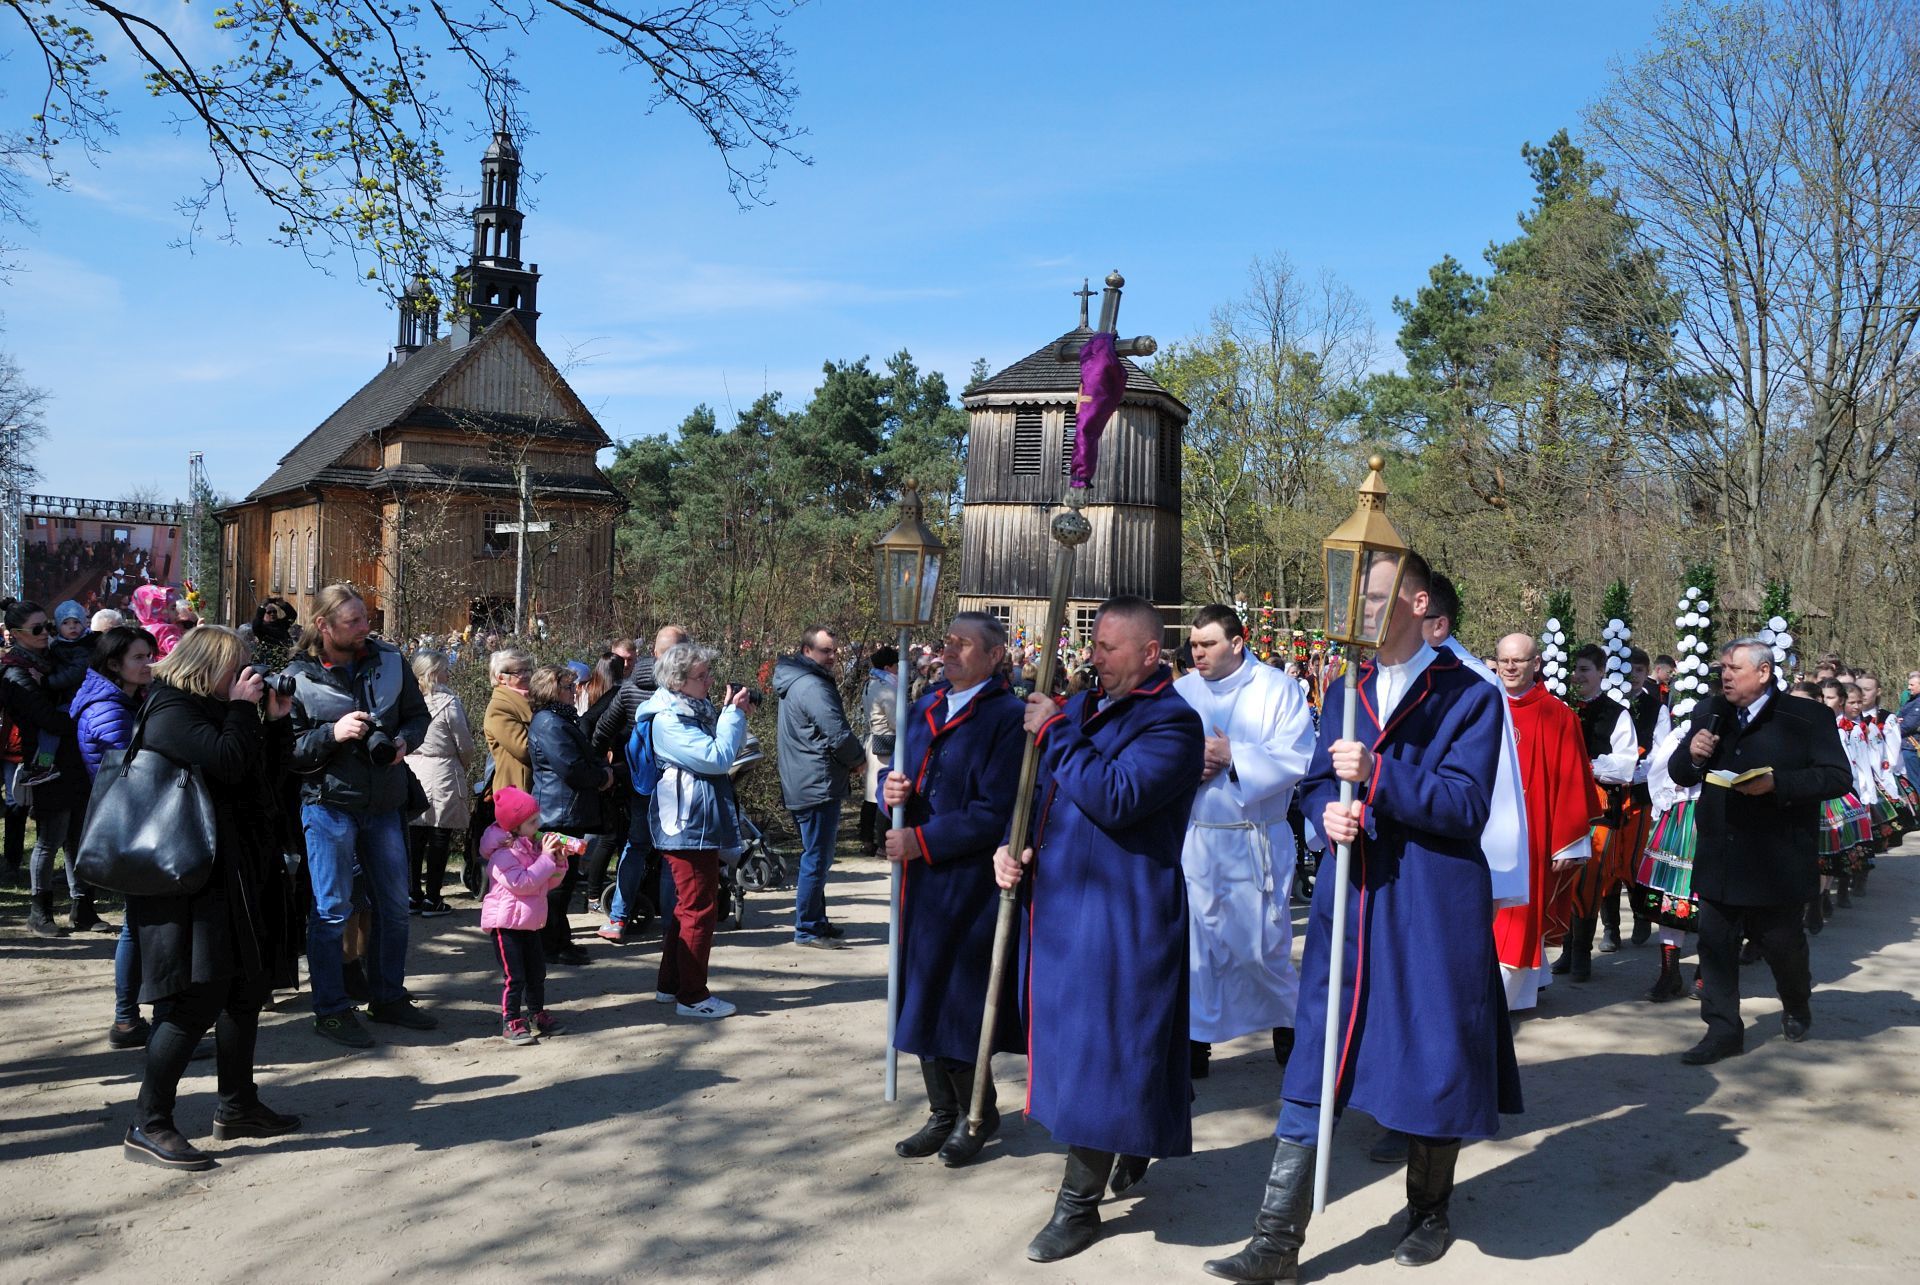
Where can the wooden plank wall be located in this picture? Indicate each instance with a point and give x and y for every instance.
(1135, 454)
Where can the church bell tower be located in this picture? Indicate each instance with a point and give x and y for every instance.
(495, 282)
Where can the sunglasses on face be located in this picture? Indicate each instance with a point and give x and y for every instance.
(36, 631)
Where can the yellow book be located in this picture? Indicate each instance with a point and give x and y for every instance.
(1720, 776)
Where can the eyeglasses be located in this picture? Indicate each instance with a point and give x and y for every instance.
(513, 673)
(35, 630)
(1513, 660)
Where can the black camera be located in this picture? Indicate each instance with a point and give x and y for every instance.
(755, 696)
(380, 747)
(281, 685)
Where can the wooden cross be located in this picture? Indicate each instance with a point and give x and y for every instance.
(1139, 346)
(1084, 294)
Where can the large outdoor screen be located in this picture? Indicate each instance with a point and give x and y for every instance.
(97, 562)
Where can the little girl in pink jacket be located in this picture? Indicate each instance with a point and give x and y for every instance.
(519, 873)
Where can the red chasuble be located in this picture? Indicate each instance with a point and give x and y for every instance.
(1558, 780)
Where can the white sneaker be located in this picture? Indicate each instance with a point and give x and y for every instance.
(665, 997)
(710, 1007)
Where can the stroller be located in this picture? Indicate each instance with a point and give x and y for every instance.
(759, 867)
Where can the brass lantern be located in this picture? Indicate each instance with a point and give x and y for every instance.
(909, 566)
(1364, 559)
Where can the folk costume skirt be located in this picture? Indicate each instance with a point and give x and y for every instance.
(1663, 884)
(1616, 850)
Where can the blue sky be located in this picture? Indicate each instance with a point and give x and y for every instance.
(971, 164)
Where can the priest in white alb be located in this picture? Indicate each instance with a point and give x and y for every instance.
(1239, 855)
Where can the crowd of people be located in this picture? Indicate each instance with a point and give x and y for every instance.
(1181, 798)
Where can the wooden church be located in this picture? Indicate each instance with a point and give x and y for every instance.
(403, 489)
(1019, 446)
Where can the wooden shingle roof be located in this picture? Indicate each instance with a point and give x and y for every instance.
(1041, 372)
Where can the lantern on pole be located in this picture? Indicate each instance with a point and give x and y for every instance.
(1365, 557)
(907, 560)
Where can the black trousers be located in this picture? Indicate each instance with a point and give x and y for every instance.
(232, 1009)
(523, 969)
(875, 821)
(427, 847)
(1780, 933)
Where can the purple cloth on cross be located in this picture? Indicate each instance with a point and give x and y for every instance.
(1103, 382)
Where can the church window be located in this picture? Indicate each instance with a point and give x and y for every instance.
(1001, 612)
(1067, 433)
(1083, 623)
(494, 544)
(1169, 453)
(313, 561)
(276, 562)
(1027, 437)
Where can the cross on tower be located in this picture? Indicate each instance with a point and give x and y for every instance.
(1139, 346)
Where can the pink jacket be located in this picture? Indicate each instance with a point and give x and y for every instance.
(519, 872)
(153, 608)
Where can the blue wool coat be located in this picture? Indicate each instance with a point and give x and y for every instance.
(965, 773)
(1105, 958)
(1427, 1046)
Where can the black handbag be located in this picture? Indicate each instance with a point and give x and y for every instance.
(150, 829)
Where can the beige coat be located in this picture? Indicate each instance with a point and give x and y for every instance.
(508, 714)
(441, 763)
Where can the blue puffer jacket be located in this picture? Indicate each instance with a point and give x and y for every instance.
(692, 807)
(104, 716)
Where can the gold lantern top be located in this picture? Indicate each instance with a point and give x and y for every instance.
(1364, 558)
(908, 563)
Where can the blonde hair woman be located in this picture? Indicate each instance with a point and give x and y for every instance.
(210, 958)
(440, 764)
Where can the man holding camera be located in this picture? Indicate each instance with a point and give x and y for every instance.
(356, 710)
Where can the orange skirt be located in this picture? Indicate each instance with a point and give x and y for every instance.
(1577, 892)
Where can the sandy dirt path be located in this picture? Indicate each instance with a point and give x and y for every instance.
(645, 1147)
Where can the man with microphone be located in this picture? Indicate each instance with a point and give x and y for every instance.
(1767, 760)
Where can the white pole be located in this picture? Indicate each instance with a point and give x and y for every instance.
(900, 706)
(1336, 964)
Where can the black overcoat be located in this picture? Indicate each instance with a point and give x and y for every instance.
(1761, 849)
(241, 924)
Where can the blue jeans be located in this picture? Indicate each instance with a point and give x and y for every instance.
(55, 832)
(819, 828)
(336, 842)
(630, 871)
(126, 975)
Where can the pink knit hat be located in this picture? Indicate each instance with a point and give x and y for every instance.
(512, 807)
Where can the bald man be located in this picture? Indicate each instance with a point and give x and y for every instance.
(1558, 782)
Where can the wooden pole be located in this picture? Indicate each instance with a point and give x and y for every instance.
(1070, 530)
(521, 626)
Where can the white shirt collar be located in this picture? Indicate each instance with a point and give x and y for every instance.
(1753, 710)
(957, 701)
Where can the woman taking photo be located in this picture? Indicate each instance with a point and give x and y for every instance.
(210, 958)
(103, 716)
(440, 765)
(567, 780)
(692, 816)
(37, 687)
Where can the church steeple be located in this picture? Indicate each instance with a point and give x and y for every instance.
(419, 319)
(495, 282)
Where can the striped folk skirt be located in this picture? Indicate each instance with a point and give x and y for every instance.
(1663, 883)
(1846, 834)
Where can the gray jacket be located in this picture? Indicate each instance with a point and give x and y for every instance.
(817, 747)
(343, 775)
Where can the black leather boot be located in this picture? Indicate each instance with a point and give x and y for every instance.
(40, 920)
(1609, 923)
(1667, 985)
(1843, 890)
(1429, 1189)
(1282, 1045)
(1127, 1173)
(1642, 926)
(1815, 920)
(84, 916)
(1564, 960)
(1199, 1059)
(1280, 1228)
(962, 1143)
(944, 1108)
(1581, 967)
(1076, 1210)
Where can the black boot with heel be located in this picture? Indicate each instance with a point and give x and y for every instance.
(1280, 1228)
(1076, 1210)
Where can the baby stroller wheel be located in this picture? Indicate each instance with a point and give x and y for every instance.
(604, 902)
(739, 897)
(755, 870)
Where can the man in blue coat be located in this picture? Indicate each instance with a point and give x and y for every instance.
(963, 744)
(1425, 1045)
(1105, 946)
